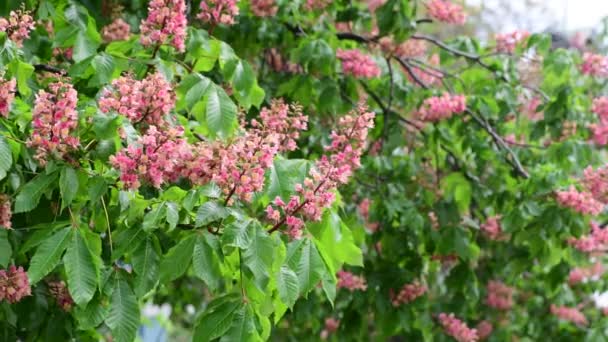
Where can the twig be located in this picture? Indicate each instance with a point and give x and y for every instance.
(410, 71)
(105, 210)
(49, 68)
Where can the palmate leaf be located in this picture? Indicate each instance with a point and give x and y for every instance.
(48, 254)
(123, 318)
(81, 270)
(303, 257)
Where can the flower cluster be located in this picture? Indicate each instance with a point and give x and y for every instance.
(218, 11)
(5, 212)
(166, 24)
(499, 296)
(582, 202)
(600, 130)
(437, 108)
(311, 5)
(596, 241)
(279, 63)
(457, 328)
(446, 11)
(351, 282)
(408, 293)
(411, 48)
(7, 95)
(18, 26)
(573, 315)
(14, 284)
(507, 42)
(584, 274)
(357, 64)
(53, 120)
(284, 122)
(594, 65)
(484, 329)
(596, 181)
(529, 108)
(148, 100)
(116, 30)
(264, 8)
(331, 325)
(155, 158)
(491, 228)
(60, 292)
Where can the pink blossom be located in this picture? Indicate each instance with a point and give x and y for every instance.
(351, 282)
(529, 106)
(600, 130)
(331, 325)
(116, 30)
(218, 11)
(5, 212)
(507, 42)
(499, 296)
(357, 64)
(408, 293)
(312, 5)
(438, 108)
(425, 75)
(7, 95)
(491, 228)
(364, 208)
(53, 121)
(484, 329)
(166, 24)
(264, 8)
(373, 5)
(156, 158)
(569, 314)
(583, 274)
(596, 181)
(14, 284)
(446, 11)
(457, 329)
(582, 202)
(411, 48)
(148, 100)
(594, 65)
(18, 26)
(60, 292)
(596, 241)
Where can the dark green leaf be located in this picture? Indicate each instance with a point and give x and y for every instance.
(176, 261)
(123, 318)
(206, 263)
(81, 270)
(48, 255)
(145, 263)
(68, 185)
(217, 318)
(210, 211)
(30, 194)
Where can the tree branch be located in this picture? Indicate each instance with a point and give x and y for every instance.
(49, 68)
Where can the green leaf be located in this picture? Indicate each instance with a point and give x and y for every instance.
(176, 261)
(335, 242)
(258, 257)
(284, 175)
(220, 112)
(81, 270)
(92, 315)
(145, 263)
(172, 214)
(206, 263)
(104, 68)
(210, 211)
(123, 318)
(243, 326)
(48, 254)
(237, 234)
(191, 90)
(87, 41)
(5, 248)
(457, 187)
(6, 157)
(287, 285)
(304, 259)
(127, 240)
(30, 194)
(22, 72)
(68, 185)
(154, 217)
(217, 318)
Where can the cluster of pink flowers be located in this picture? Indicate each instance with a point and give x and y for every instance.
(582, 202)
(507, 42)
(7, 95)
(53, 120)
(5, 212)
(148, 100)
(363, 208)
(425, 75)
(411, 48)
(156, 158)
(446, 11)
(457, 329)
(528, 108)
(264, 8)
(331, 325)
(280, 63)
(408, 293)
(600, 130)
(60, 292)
(18, 26)
(357, 64)
(596, 181)
(116, 30)
(499, 296)
(573, 315)
(596, 241)
(491, 228)
(14, 284)
(594, 65)
(284, 121)
(219, 11)
(438, 108)
(166, 24)
(484, 329)
(311, 5)
(351, 282)
(583, 274)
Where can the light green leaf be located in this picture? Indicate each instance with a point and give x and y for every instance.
(68, 185)
(284, 175)
(258, 257)
(176, 261)
(287, 285)
(172, 214)
(220, 112)
(304, 259)
(145, 263)
(123, 318)
(30, 194)
(81, 270)
(206, 263)
(6, 157)
(48, 254)
(22, 72)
